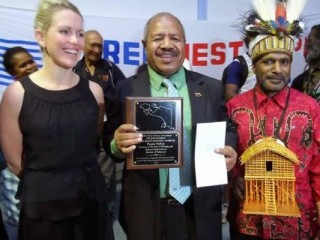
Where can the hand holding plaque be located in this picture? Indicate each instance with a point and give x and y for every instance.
(160, 122)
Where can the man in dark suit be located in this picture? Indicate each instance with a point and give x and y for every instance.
(148, 210)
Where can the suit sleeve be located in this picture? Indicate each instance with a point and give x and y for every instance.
(231, 131)
(297, 83)
(115, 116)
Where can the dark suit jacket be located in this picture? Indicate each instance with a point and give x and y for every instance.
(297, 83)
(140, 203)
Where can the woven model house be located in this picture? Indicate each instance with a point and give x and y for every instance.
(270, 179)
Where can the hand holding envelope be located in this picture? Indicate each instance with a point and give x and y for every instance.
(211, 165)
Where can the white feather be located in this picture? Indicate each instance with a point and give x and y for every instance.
(294, 9)
(266, 9)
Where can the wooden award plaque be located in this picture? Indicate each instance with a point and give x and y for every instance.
(160, 121)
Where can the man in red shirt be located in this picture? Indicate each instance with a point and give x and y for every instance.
(292, 119)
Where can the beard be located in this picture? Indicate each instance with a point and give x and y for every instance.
(313, 54)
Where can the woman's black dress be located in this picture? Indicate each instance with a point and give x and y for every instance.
(61, 187)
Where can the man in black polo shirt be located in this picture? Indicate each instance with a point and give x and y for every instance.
(93, 67)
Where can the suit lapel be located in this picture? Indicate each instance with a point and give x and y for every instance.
(198, 98)
(141, 85)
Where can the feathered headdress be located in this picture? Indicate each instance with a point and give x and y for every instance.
(277, 20)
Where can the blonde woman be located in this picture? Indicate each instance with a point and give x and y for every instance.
(50, 123)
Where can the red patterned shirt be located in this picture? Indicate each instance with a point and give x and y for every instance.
(255, 114)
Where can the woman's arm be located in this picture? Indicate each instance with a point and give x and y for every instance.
(98, 94)
(10, 133)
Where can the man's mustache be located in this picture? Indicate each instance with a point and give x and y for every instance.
(277, 77)
(173, 53)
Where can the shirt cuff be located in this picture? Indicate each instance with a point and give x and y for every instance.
(115, 151)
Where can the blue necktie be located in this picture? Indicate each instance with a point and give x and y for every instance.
(180, 178)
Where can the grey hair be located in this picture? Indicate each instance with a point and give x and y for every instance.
(162, 14)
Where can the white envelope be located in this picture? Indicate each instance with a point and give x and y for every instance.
(210, 167)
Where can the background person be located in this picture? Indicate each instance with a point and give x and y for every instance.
(107, 74)
(147, 209)
(235, 82)
(309, 81)
(43, 119)
(19, 63)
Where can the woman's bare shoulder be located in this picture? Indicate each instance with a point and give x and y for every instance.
(13, 96)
